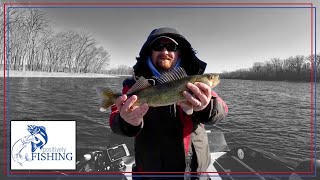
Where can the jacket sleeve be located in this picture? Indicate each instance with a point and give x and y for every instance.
(117, 124)
(216, 111)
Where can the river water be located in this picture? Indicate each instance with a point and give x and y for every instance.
(272, 116)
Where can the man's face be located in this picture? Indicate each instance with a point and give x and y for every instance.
(164, 54)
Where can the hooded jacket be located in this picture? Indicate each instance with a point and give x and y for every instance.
(170, 140)
(189, 62)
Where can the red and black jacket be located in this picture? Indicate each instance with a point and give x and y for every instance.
(169, 135)
(170, 140)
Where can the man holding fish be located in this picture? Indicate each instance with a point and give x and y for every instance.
(165, 104)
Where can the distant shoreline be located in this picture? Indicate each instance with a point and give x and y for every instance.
(56, 74)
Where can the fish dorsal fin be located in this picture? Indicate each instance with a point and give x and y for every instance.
(141, 83)
(172, 75)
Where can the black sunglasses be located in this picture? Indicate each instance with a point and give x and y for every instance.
(161, 46)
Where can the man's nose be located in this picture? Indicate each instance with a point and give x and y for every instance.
(164, 50)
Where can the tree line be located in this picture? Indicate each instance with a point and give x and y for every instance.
(295, 68)
(120, 70)
(32, 45)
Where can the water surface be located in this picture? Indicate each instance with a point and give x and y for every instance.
(272, 116)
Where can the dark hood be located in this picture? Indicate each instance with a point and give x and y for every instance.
(189, 60)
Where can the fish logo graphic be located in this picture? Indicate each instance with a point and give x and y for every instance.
(21, 148)
(40, 136)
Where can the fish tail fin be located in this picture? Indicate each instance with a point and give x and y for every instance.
(107, 98)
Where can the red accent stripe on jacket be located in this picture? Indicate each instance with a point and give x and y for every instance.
(187, 130)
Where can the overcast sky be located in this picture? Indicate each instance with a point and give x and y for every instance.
(226, 38)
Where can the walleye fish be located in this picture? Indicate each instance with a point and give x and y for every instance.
(168, 91)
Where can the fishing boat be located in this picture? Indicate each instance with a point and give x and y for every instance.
(237, 163)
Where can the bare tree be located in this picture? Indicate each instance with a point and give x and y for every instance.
(277, 66)
(298, 62)
(34, 24)
(85, 42)
(257, 67)
(101, 60)
(14, 17)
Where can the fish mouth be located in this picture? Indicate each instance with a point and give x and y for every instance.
(211, 84)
